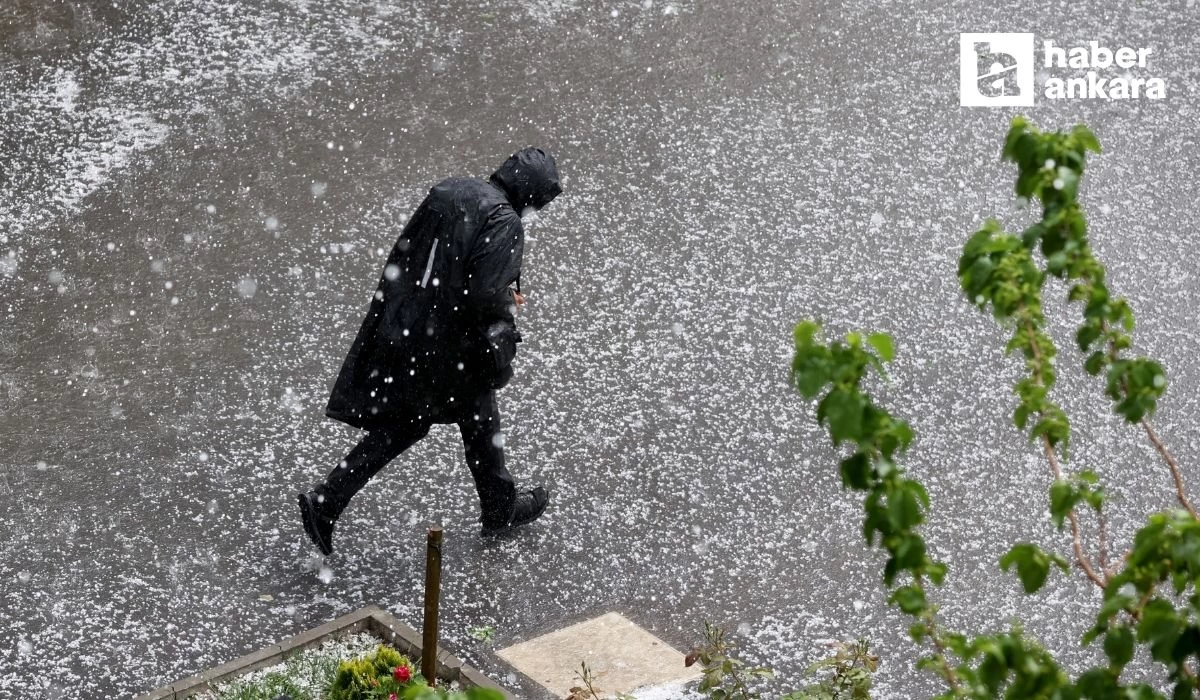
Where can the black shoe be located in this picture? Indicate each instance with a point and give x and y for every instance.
(528, 507)
(317, 525)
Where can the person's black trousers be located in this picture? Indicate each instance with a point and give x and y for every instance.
(479, 422)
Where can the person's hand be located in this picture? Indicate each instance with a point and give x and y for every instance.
(519, 298)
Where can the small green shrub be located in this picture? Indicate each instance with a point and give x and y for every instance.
(587, 689)
(268, 687)
(725, 676)
(385, 673)
(485, 634)
(301, 673)
(847, 674)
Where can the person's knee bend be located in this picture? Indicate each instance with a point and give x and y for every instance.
(419, 431)
(407, 431)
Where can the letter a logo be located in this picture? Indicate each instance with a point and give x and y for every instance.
(996, 70)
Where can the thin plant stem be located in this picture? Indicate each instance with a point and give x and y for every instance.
(1103, 544)
(1076, 540)
(1176, 474)
(1052, 457)
(930, 618)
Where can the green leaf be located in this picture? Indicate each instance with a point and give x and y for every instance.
(810, 377)
(919, 489)
(1021, 416)
(1160, 627)
(1056, 264)
(804, 333)
(1032, 235)
(1114, 603)
(1087, 335)
(936, 572)
(904, 433)
(1053, 424)
(910, 552)
(875, 521)
(1064, 495)
(1098, 683)
(885, 468)
(844, 411)
(1085, 138)
(1118, 645)
(1133, 408)
(1033, 565)
(980, 272)
(904, 512)
(883, 344)
(910, 599)
(994, 668)
(856, 471)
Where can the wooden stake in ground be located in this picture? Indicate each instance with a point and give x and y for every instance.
(433, 590)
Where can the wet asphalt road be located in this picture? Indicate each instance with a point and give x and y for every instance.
(195, 197)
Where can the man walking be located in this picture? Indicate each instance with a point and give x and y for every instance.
(439, 340)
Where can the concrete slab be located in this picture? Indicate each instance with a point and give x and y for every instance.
(622, 656)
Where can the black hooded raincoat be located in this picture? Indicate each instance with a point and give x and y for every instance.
(441, 330)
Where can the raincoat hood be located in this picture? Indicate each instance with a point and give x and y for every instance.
(529, 178)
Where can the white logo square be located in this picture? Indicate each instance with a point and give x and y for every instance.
(996, 70)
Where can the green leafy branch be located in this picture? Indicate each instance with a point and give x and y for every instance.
(1152, 598)
(1166, 550)
(997, 269)
(894, 505)
(1050, 167)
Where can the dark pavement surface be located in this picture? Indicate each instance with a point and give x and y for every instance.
(195, 197)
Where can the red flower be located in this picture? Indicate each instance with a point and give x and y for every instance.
(392, 696)
(402, 674)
